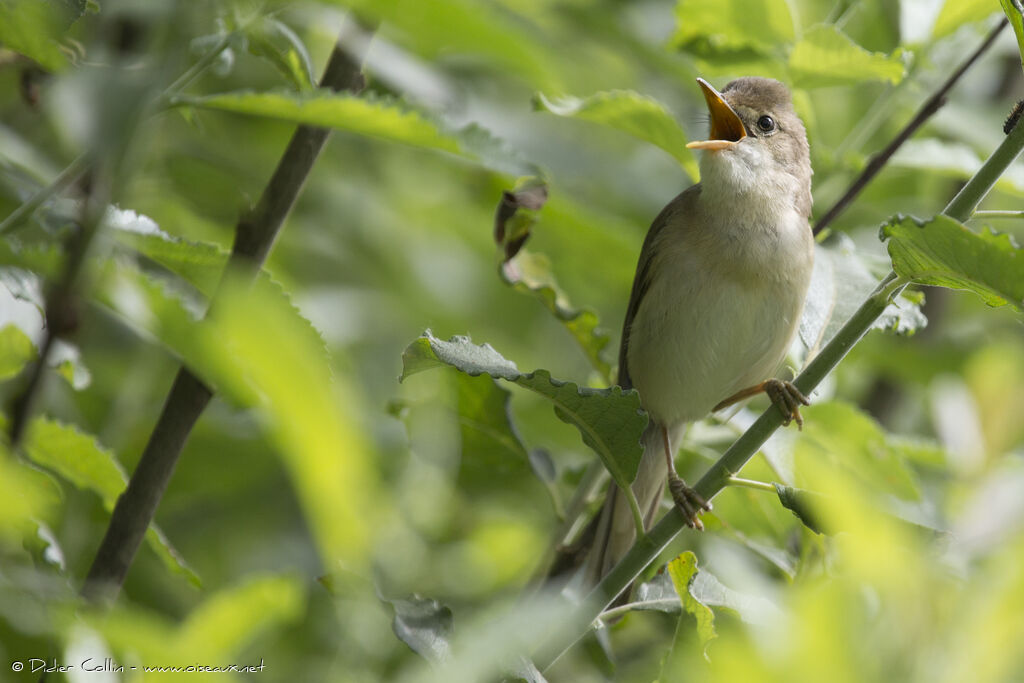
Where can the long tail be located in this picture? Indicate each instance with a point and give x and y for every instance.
(616, 531)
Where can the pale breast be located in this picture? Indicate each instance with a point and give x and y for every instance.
(720, 313)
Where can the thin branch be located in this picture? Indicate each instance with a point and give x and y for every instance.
(979, 215)
(647, 548)
(750, 484)
(66, 177)
(932, 105)
(254, 236)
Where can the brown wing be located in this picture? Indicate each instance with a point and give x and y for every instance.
(642, 279)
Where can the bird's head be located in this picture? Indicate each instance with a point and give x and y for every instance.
(757, 143)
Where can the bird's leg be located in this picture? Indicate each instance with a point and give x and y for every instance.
(689, 502)
(786, 397)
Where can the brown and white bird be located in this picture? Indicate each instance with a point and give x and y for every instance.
(717, 296)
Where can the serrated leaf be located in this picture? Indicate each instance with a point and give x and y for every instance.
(80, 459)
(683, 571)
(826, 57)
(956, 13)
(530, 273)
(630, 112)
(379, 117)
(944, 253)
(841, 280)
(609, 420)
(425, 625)
(1015, 14)
(763, 25)
(16, 350)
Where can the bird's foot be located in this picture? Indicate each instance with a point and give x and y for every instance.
(787, 398)
(689, 502)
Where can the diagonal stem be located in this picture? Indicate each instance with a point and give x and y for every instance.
(254, 236)
(932, 105)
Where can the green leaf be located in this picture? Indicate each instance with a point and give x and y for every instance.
(802, 504)
(660, 594)
(425, 625)
(826, 57)
(278, 44)
(307, 410)
(530, 273)
(629, 112)
(374, 116)
(944, 253)
(34, 28)
(956, 13)
(844, 438)
(842, 279)
(80, 459)
(1015, 14)
(491, 446)
(609, 420)
(16, 350)
(683, 571)
(953, 159)
(760, 24)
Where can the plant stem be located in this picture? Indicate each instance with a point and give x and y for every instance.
(932, 105)
(647, 548)
(254, 236)
(750, 484)
(997, 214)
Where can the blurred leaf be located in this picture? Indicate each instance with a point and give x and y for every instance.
(683, 571)
(638, 115)
(944, 253)
(840, 282)
(530, 273)
(275, 42)
(1015, 13)
(954, 159)
(956, 13)
(839, 436)
(34, 28)
(16, 350)
(425, 625)
(26, 496)
(444, 28)
(826, 57)
(609, 420)
(374, 116)
(81, 460)
(307, 410)
(760, 24)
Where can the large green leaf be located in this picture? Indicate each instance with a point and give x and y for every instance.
(380, 117)
(638, 115)
(764, 25)
(80, 459)
(34, 28)
(944, 253)
(609, 420)
(825, 57)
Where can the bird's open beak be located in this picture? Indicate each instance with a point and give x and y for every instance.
(726, 127)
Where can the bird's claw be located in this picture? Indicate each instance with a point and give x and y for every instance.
(787, 398)
(689, 502)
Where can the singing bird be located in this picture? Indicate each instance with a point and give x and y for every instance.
(717, 296)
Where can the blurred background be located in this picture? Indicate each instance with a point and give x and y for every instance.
(388, 240)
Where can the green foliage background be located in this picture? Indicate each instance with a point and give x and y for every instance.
(318, 495)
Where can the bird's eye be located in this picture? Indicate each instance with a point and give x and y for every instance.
(766, 123)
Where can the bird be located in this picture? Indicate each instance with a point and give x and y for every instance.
(717, 297)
